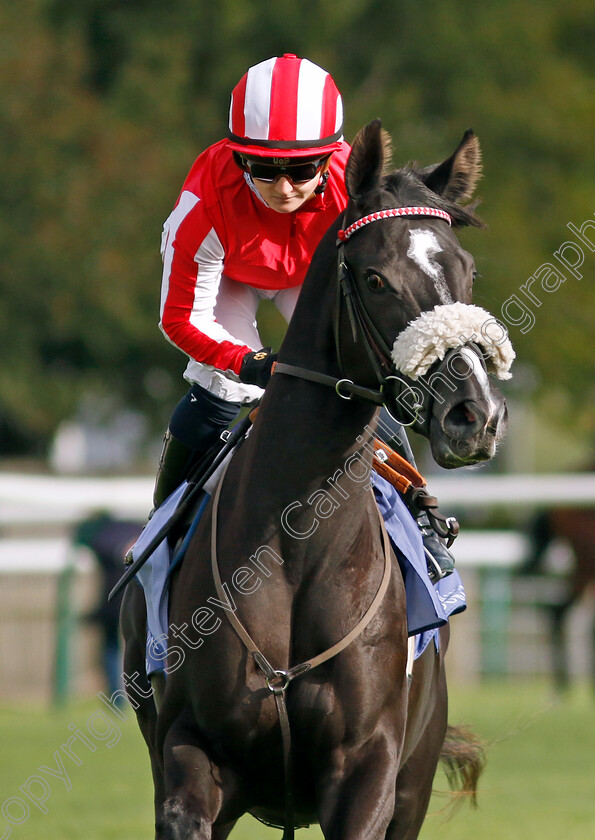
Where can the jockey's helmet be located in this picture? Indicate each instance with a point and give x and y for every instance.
(285, 107)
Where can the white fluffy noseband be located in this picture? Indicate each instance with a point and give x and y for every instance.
(433, 333)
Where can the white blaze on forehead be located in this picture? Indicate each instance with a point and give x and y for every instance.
(423, 247)
(477, 369)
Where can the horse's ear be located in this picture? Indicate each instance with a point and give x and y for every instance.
(369, 153)
(456, 177)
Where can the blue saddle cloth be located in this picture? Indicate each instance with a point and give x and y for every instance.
(428, 606)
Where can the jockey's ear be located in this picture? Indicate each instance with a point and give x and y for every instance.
(456, 177)
(366, 163)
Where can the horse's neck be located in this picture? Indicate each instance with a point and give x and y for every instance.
(306, 434)
(310, 339)
(308, 425)
(308, 469)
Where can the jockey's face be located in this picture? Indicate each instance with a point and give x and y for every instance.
(285, 197)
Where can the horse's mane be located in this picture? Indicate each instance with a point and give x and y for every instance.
(408, 188)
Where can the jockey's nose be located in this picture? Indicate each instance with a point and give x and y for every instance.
(283, 185)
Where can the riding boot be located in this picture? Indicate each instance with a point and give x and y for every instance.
(174, 463)
(194, 428)
(439, 560)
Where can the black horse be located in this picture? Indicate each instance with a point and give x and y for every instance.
(300, 550)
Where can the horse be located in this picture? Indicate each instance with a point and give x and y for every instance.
(576, 527)
(300, 556)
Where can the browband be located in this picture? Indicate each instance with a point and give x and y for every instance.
(343, 235)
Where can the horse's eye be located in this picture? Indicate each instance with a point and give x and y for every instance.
(374, 282)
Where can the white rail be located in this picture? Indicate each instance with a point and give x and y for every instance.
(64, 500)
(496, 549)
(31, 503)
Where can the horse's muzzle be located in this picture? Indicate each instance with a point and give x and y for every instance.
(468, 432)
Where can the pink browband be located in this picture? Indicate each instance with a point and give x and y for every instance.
(387, 214)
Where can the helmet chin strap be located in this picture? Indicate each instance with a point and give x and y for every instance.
(323, 182)
(253, 187)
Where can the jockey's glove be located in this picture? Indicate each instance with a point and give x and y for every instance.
(257, 367)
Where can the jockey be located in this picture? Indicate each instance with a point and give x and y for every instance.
(249, 217)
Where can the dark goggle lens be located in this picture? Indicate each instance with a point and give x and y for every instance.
(298, 173)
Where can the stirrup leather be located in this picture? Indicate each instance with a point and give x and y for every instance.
(433, 525)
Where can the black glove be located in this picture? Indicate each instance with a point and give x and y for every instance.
(257, 366)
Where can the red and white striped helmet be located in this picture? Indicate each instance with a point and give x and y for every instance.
(285, 107)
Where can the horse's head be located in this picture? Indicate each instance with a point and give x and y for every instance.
(407, 285)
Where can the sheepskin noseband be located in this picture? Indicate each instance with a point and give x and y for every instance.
(427, 339)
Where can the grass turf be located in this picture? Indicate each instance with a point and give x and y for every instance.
(539, 782)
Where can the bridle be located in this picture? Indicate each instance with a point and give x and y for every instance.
(392, 388)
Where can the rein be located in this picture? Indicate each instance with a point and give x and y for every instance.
(278, 680)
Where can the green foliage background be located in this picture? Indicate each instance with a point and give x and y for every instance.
(106, 103)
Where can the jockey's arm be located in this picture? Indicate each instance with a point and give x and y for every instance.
(193, 257)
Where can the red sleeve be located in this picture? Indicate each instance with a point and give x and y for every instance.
(192, 267)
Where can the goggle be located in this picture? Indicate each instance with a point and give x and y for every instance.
(297, 173)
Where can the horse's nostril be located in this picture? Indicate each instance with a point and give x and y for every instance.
(464, 417)
(469, 415)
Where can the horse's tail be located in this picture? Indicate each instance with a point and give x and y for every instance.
(463, 758)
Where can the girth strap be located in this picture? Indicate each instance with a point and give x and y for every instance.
(278, 680)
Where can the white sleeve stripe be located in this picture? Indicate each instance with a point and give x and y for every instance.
(186, 203)
(209, 259)
(210, 249)
(210, 267)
